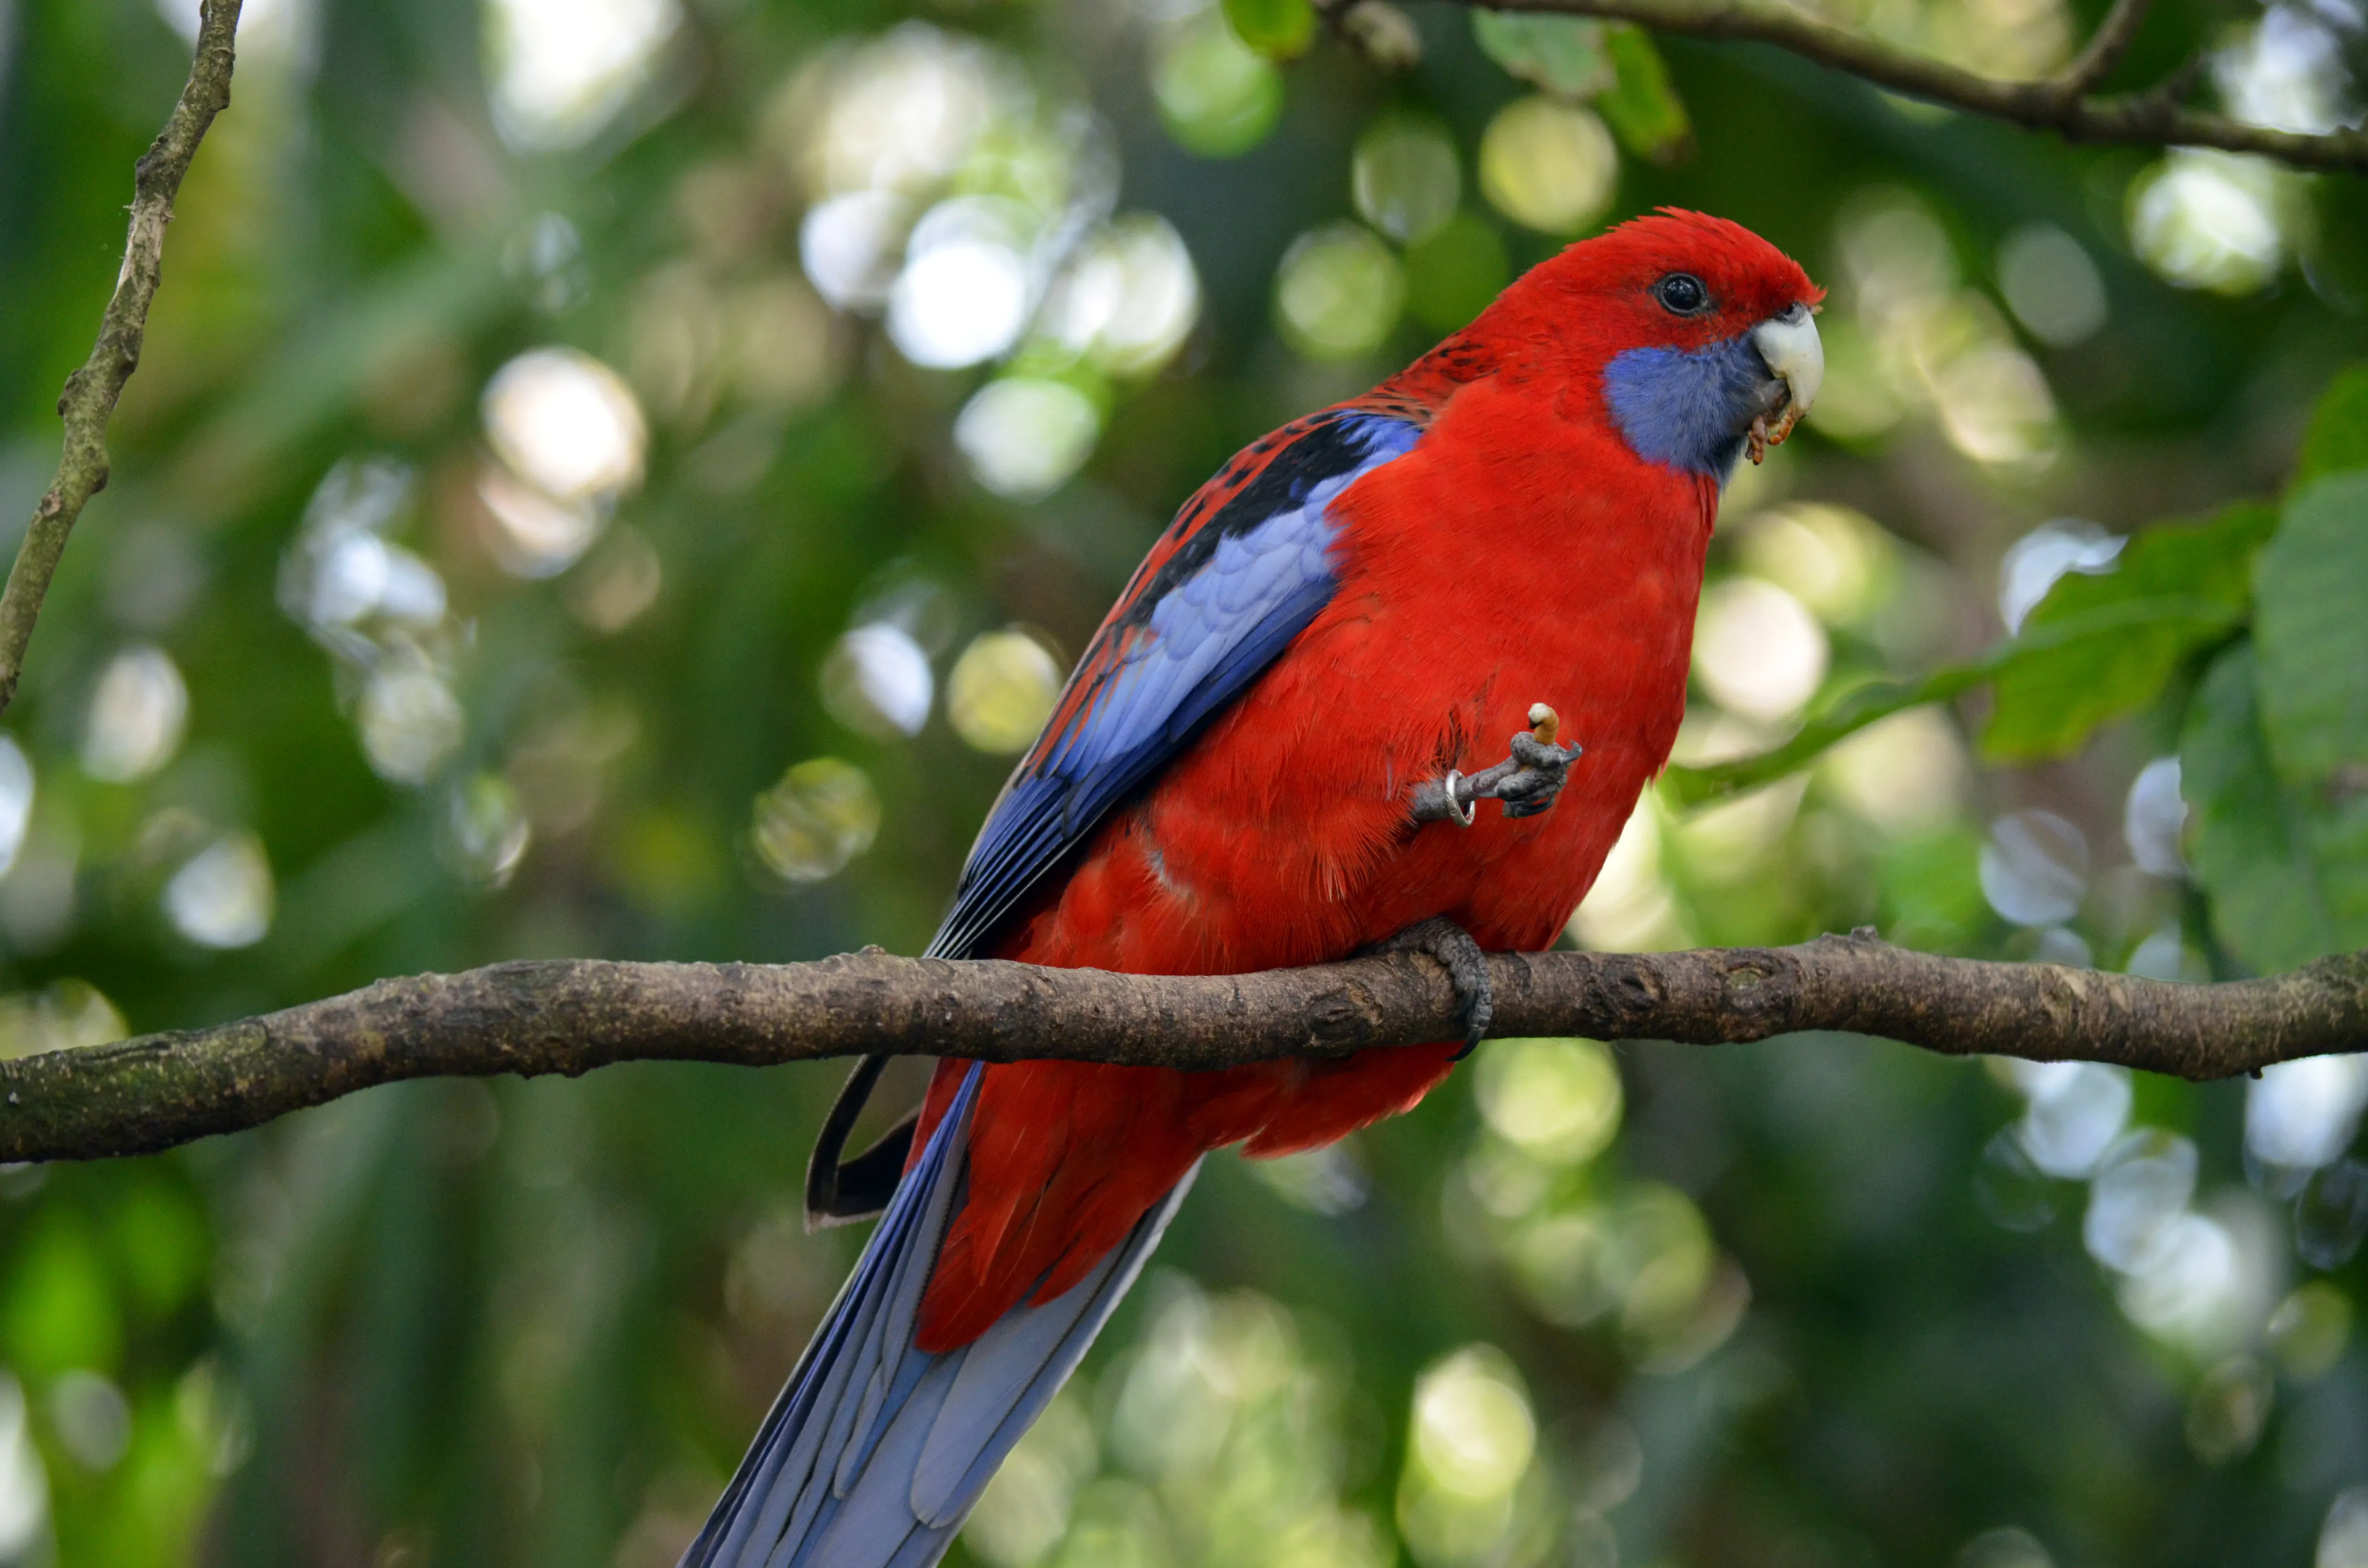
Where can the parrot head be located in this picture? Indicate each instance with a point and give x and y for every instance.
(1698, 336)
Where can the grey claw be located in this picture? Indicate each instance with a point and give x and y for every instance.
(1527, 782)
(1466, 966)
(1544, 769)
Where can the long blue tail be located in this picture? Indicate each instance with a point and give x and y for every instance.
(875, 1452)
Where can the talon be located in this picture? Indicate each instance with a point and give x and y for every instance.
(1527, 781)
(1545, 768)
(1466, 966)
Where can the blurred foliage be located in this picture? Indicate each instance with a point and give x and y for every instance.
(1642, 106)
(620, 479)
(1283, 29)
(2049, 704)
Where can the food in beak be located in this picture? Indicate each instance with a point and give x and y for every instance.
(1794, 355)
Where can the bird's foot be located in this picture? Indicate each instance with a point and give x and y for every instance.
(1763, 435)
(1466, 966)
(1526, 781)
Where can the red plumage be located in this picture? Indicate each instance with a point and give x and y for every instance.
(1521, 553)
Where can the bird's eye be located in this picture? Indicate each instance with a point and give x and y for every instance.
(1682, 294)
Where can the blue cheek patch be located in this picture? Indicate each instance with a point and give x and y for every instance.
(1688, 410)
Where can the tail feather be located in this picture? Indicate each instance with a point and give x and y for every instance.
(876, 1452)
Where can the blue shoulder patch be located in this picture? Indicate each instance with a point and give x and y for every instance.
(1689, 410)
(1192, 637)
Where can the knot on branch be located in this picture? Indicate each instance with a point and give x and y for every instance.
(1343, 1019)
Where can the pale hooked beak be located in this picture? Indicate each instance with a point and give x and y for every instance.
(1793, 353)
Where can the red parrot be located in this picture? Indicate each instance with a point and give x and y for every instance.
(1273, 753)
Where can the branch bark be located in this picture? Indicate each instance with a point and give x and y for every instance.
(570, 1017)
(2063, 104)
(90, 395)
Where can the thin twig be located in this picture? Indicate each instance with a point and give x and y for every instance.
(91, 392)
(573, 1016)
(2198, 620)
(2155, 117)
(2104, 49)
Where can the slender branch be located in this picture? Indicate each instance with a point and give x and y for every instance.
(2105, 47)
(2199, 620)
(91, 392)
(573, 1016)
(2061, 104)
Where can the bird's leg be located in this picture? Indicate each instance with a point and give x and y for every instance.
(1526, 781)
(1466, 966)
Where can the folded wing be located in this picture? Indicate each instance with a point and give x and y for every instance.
(1249, 561)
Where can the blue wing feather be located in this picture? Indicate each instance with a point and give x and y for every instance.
(876, 1452)
(1219, 603)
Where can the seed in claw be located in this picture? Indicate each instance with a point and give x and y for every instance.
(1545, 723)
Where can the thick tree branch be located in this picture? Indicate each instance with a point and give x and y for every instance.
(91, 392)
(2063, 104)
(571, 1017)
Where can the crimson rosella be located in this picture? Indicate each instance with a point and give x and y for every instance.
(1273, 753)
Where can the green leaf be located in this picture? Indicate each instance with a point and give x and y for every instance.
(1861, 705)
(1565, 55)
(2048, 706)
(2286, 868)
(2310, 621)
(1641, 108)
(2337, 441)
(1279, 29)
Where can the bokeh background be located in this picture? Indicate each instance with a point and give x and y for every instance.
(622, 477)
